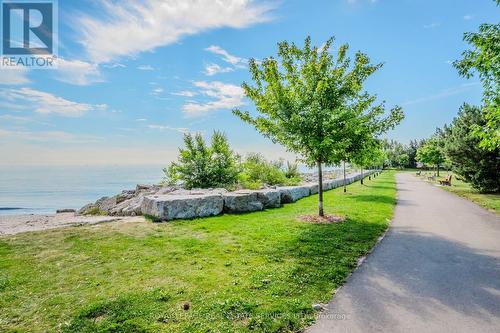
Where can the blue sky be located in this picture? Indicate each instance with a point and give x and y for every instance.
(136, 75)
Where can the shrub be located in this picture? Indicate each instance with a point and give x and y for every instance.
(257, 171)
(203, 166)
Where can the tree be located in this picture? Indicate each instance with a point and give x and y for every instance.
(412, 152)
(432, 153)
(204, 166)
(477, 166)
(311, 103)
(484, 58)
(396, 154)
(366, 157)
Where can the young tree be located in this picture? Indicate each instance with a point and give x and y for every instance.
(477, 166)
(311, 103)
(204, 166)
(367, 157)
(432, 153)
(484, 58)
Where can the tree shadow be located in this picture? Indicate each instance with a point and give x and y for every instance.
(424, 274)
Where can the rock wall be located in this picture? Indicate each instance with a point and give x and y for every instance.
(168, 203)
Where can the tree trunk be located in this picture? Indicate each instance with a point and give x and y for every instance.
(345, 185)
(438, 170)
(320, 190)
(361, 176)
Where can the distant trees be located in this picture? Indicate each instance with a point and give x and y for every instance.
(432, 153)
(202, 166)
(313, 103)
(484, 59)
(478, 166)
(400, 155)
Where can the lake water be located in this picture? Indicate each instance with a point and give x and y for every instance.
(43, 189)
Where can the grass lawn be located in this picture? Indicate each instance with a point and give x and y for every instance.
(259, 271)
(463, 189)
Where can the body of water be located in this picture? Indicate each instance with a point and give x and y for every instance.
(44, 189)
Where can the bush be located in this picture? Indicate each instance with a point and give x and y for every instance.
(257, 171)
(475, 165)
(203, 166)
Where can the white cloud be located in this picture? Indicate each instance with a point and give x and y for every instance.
(146, 68)
(141, 119)
(212, 69)
(115, 65)
(222, 95)
(185, 93)
(157, 91)
(129, 27)
(48, 136)
(78, 72)
(46, 103)
(14, 76)
(229, 58)
(432, 25)
(468, 17)
(165, 127)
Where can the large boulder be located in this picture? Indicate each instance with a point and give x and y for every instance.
(314, 187)
(270, 198)
(242, 201)
(293, 193)
(169, 206)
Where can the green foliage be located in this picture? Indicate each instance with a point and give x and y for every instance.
(256, 272)
(313, 103)
(400, 155)
(477, 166)
(257, 171)
(203, 166)
(484, 59)
(432, 152)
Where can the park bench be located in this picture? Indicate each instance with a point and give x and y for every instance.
(446, 181)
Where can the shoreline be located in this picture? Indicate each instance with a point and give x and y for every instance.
(14, 224)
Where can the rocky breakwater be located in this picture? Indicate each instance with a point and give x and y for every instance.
(169, 203)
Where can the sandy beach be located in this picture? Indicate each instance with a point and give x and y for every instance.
(13, 224)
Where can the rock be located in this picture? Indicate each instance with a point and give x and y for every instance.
(317, 307)
(169, 206)
(143, 187)
(314, 188)
(65, 210)
(270, 198)
(241, 201)
(103, 205)
(293, 193)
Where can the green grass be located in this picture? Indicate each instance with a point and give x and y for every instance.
(259, 271)
(463, 189)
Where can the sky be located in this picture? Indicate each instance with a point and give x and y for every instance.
(134, 76)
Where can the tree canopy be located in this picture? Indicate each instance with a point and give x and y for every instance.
(484, 59)
(313, 103)
(432, 152)
(477, 166)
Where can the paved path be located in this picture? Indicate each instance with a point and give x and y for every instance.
(437, 270)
